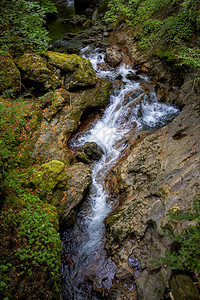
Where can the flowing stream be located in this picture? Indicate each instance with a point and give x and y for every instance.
(86, 268)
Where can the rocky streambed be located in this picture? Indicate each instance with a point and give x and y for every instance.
(115, 148)
(155, 172)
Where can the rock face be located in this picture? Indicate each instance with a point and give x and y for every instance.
(9, 74)
(113, 56)
(160, 173)
(63, 186)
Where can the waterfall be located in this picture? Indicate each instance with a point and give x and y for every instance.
(130, 107)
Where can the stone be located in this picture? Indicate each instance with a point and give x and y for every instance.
(95, 15)
(182, 287)
(10, 77)
(93, 151)
(34, 68)
(62, 112)
(82, 157)
(78, 71)
(62, 186)
(113, 57)
(132, 76)
(79, 181)
(160, 174)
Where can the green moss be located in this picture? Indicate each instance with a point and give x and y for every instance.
(9, 74)
(33, 65)
(49, 175)
(83, 72)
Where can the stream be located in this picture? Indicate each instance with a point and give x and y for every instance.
(88, 273)
(86, 267)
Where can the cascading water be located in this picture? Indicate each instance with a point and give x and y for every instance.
(88, 268)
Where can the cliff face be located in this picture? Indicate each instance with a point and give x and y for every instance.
(160, 174)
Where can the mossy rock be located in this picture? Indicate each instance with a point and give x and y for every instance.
(10, 77)
(79, 72)
(48, 177)
(55, 101)
(34, 68)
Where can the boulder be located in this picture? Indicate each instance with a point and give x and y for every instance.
(113, 56)
(93, 151)
(79, 181)
(10, 77)
(62, 186)
(78, 71)
(34, 68)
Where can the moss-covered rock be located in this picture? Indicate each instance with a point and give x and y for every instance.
(62, 186)
(9, 74)
(34, 68)
(48, 177)
(78, 71)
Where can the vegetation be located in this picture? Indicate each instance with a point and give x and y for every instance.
(22, 25)
(184, 251)
(26, 222)
(162, 26)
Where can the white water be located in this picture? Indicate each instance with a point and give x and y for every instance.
(122, 115)
(69, 3)
(110, 132)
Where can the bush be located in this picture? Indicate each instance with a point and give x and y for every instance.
(22, 25)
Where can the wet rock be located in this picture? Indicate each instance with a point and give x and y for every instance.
(132, 76)
(65, 186)
(72, 50)
(166, 93)
(82, 157)
(93, 151)
(78, 182)
(10, 77)
(113, 56)
(160, 173)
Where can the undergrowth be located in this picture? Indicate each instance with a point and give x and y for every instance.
(27, 225)
(162, 25)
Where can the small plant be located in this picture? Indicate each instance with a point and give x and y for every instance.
(184, 251)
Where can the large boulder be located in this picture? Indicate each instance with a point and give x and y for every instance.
(34, 69)
(53, 70)
(78, 71)
(10, 77)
